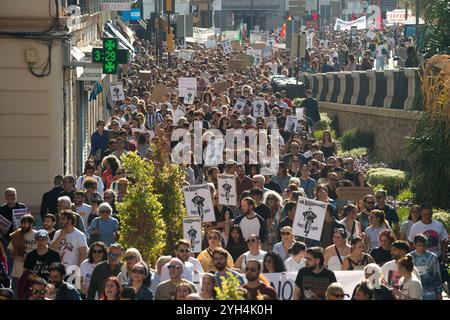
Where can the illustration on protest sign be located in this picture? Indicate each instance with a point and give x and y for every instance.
(227, 189)
(189, 97)
(258, 108)
(272, 122)
(309, 218)
(227, 47)
(185, 84)
(240, 104)
(291, 124)
(17, 215)
(116, 91)
(192, 231)
(198, 202)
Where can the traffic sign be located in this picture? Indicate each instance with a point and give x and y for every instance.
(110, 55)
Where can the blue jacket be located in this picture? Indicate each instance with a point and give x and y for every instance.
(99, 142)
(144, 294)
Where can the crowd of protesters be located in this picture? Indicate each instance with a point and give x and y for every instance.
(81, 227)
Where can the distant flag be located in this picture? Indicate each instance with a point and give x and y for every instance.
(95, 91)
(353, 16)
(283, 31)
(239, 35)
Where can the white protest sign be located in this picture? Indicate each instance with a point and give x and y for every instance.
(186, 55)
(258, 108)
(199, 202)
(213, 154)
(189, 97)
(299, 113)
(341, 25)
(271, 122)
(291, 124)
(5, 224)
(284, 283)
(192, 231)
(17, 215)
(267, 52)
(371, 35)
(309, 218)
(116, 91)
(240, 104)
(227, 189)
(210, 44)
(185, 84)
(227, 47)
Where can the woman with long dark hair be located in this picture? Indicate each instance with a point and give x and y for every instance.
(273, 263)
(141, 281)
(328, 146)
(236, 244)
(97, 253)
(111, 165)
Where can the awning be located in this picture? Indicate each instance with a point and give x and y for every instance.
(111, 31)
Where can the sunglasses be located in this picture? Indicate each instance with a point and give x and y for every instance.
(285, 233)
(338, 295)
(213, 238)
(174, 267)
(113, 255)
(138, 271)
(251, 240)
(41, 292)
(97, 251)
(371, 202)
(247, 269)
(184, 250)
(130, 258)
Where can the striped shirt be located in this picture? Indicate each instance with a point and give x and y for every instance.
(152, 119)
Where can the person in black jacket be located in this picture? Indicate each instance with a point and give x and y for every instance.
(311, 107)
(68, 183)
(64, 290)
(50, 198)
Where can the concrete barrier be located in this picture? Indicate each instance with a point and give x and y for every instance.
(412, 75)
(360, 88)
(346, 87)
(377, 88)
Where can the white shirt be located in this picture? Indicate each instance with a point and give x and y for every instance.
(177, 114)
(249, 226)
(84, 211)
(68, 248)
(188, 272)
(293, 266)
(86, 269)
(248, 256)
(411, 287)
(81, 179)
(435, 231)
(389, 270)
(197, 265)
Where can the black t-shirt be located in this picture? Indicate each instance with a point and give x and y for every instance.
(274, 187)
(314, 285)
(41, 264)
(263, 211)
(51, 235)
(380, 255)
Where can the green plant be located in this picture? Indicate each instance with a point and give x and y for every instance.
(403, 213)
(378, 187)
(356, 138)
(443, 217)
(141, 224)
(168, 184)
(229, 288)
(354, 153)
(404, 195)
(437, 27)
(393, 180)
(324, 123)
(429, 150)
(318, 135)
(297, 101)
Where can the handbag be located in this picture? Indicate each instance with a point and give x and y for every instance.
(94, 238)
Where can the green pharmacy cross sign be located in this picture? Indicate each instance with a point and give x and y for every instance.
(109, 56)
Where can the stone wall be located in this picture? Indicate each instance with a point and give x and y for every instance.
(390, 126)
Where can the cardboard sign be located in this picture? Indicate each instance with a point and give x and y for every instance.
(237, 65)
(198, 202)
(353, 193)
(210, 44)
(186, 83)
(258, 108)
(227, 189)
(246, 59)
(259, 45)
(145, 75)
(309, 218)
(17, 215)
(235, 45)
(299, 113)
(192, 231)
(220, 87)
(371, 35)
(116, 91)
(227, 49)
(158, 92)
(291, 124)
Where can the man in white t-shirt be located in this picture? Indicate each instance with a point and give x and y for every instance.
(434, 230)
(177, 113)
(250, 222)
(182, 250)
(389, 270)
(83, 209)
(297, 261)
(69, 242)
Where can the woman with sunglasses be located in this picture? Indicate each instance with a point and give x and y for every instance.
(214, 238)
(335, 291)
(335, 254)
(97, 253)
(287, 240)
(111, 289)
(132, 256)
(254, 252)
(89, 171)
(141, 281)
(91, 193)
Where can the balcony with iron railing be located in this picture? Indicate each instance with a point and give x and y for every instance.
(86, 6)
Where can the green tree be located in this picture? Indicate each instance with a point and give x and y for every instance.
(229, 288)
(142, 226)
(437, 27)
(168, 184)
